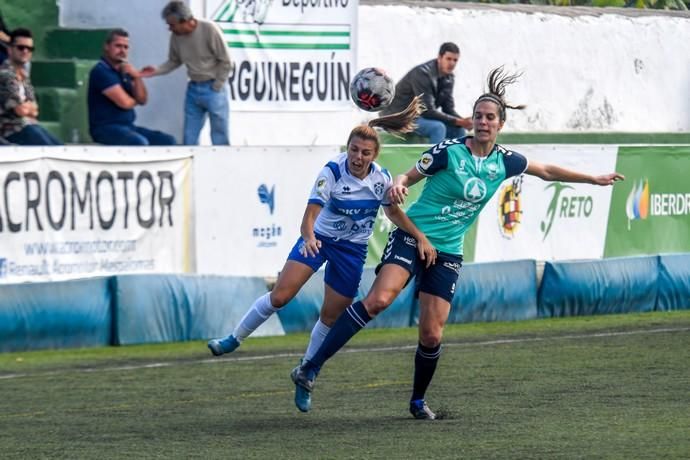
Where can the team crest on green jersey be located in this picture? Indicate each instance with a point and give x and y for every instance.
(475, 190)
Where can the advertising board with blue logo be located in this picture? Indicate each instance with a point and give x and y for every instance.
(289, 54)
(71, 216)
(249, 206)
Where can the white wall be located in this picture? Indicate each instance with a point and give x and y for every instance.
(238, 233)
(582, 72)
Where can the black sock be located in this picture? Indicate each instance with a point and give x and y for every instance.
(350, 322)
(425, 361)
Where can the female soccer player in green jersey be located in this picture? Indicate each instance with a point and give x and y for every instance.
(461, 177)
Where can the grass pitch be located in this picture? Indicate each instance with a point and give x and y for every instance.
(596, 387)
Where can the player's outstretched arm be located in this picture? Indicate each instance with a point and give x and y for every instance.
(549, 172)
(399, 190)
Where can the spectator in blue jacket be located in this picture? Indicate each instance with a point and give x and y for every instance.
(115, 88)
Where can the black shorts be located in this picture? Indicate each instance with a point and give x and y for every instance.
(439, 279)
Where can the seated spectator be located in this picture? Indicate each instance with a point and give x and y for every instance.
(434, 80)
(18, 107)
(115, 88)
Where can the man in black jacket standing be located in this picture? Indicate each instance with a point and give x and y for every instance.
(434, 79)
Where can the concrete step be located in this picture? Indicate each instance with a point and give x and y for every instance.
(54, 102)
(63, 85)
(69, 131)
(54, 128)
(61, 73)
(36, 15)
(75, 43)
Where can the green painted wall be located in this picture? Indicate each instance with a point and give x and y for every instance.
(37, 15)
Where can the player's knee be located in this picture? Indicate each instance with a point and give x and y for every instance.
(280, 298)
(430, 339)
(378, 302)
(328, 319)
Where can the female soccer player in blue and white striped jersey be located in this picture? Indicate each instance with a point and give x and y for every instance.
(337, 224)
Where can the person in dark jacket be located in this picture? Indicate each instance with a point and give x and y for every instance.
(434, 80)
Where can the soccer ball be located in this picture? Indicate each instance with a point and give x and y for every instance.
(371, 89)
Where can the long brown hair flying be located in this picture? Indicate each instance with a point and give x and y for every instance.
(396, 123)
(497, 81)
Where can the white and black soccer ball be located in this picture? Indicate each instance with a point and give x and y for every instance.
(371, 89)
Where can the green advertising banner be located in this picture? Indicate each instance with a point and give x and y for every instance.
(399, 159)
(650, 211)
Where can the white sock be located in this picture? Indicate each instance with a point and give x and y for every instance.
(318, 333)
(257, 314)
